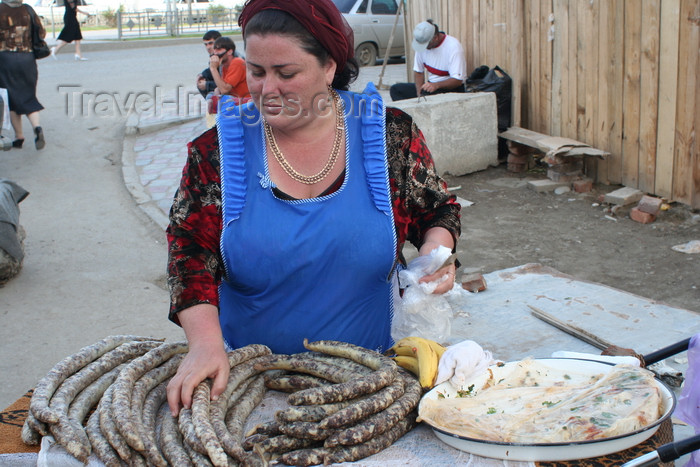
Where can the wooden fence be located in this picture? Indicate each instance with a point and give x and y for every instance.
(619, 75)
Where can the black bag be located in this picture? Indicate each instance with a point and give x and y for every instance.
(39, 46)
(494, 80)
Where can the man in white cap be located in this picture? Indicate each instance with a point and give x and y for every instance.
(439, 65)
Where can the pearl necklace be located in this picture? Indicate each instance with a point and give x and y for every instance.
(337, 141)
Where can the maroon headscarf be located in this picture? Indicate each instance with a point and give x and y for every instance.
(320, 17)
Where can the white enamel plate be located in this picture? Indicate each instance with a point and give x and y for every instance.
(549, 452)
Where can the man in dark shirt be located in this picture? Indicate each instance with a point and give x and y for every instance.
(205, 81)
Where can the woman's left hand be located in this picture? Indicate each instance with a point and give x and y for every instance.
(447, 284)
(435, 238)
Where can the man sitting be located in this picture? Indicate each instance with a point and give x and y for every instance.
(439, 64)
(205, 82)
(228, 71)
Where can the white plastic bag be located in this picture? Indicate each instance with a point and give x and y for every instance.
(420, 312)
(5, 110)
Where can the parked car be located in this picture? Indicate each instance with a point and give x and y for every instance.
(372, 22)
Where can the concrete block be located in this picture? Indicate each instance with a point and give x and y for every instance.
(545, 185)
(461, 129)
(624, 196)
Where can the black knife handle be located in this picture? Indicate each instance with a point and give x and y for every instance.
(666, 352)
(672, 451)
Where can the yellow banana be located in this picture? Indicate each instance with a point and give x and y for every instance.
(409, 363)
(406, 351)
(427, 358)
(412, 341)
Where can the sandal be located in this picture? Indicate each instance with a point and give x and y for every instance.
(18, 143)
(39, 140)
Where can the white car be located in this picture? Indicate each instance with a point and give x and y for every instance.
(372, 22)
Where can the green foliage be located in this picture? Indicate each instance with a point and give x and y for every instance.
(110, 16)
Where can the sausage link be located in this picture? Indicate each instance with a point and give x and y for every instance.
(186, 426)
(249, 443)
(302, 363)
(304, 457)
(100, 446)
(243, 354)
(151, 405)
(91, 395)
(229, 426)
(305, 430)
(33, 430)
(271, 428)
(109, 428)
(284, 443)
(380, 422)
(309, 413)
(201, 403)
(293, 382)
(385, 371)
(45, 388)
(72, 438)
(372, 404)
(373, 446)
(171, 440)
(142, 390)
(198, 459)
(123, 386)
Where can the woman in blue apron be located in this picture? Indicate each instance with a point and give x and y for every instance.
(292, 213)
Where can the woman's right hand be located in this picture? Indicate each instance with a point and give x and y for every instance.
(206, 358)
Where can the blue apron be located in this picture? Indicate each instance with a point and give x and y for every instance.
(316, 268)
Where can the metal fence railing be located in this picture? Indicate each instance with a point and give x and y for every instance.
(173, 23)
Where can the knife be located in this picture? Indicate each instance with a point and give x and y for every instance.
(666, 453)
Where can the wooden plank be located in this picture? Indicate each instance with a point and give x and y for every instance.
(545, 107)
(603, 123)
(668, 82)
(517, 65)
(581, 42)
(534, 117)
(591, 72)
(572, 69)
(649, 94)
(686, 181)
(615, 81)
(557, 59)
(631, 97)
(560, 64)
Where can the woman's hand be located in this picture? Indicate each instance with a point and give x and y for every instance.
(435, 238)
(206, 357)
(447, 284)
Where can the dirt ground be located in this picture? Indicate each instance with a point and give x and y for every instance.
(510, 225)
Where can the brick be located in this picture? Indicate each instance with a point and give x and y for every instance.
(650, 205)
(563, 176)
(583, 186)
(518, 159)
(520, 149)
(624, 196)
(474, 282)
(642, 217)
(517, 168)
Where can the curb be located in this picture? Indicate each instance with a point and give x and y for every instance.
(132, 181)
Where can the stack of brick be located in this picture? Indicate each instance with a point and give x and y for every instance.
(646, 210)
(564, 168)
(519, 157)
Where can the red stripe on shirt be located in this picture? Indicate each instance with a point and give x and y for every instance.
(437, 72)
